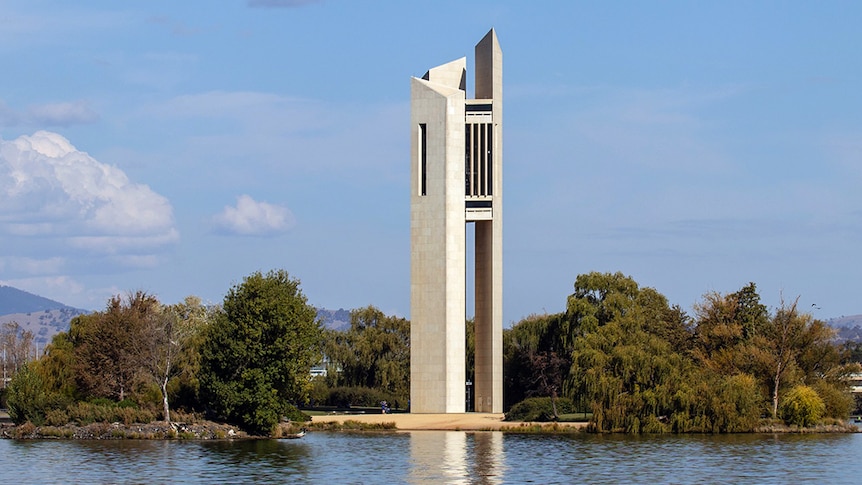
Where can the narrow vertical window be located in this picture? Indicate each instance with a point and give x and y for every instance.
(481, 155)
(490, 159)
(423, 159)
(468, 162)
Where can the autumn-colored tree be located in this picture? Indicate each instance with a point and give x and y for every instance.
(111, 347)
(729, 331)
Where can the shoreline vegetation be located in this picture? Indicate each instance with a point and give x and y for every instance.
(471, 422)
(620, 359)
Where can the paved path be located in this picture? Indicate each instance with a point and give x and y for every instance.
(408, 421)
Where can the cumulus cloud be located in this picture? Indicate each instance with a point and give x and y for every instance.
(49, 189)
(252, 218)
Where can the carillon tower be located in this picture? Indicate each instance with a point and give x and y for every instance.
(456, 180)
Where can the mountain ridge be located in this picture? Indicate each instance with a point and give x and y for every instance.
(13, 300)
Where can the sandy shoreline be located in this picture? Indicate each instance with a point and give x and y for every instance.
(412, 422)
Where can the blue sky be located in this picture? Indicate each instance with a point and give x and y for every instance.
(177, 147)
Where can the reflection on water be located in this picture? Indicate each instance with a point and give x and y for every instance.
(488, 455)
(456, 457)
(442, 457)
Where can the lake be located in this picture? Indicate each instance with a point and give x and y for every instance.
(442, 457)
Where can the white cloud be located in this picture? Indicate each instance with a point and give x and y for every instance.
(65, 113)
(252, 218)
(32, 265)
(49, 189)
(62, 114)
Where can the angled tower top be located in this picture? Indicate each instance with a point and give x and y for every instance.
(489, 67)
(452, 74)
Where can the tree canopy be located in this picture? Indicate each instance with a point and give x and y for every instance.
(641, 365)
(256, 354)
(374, 353)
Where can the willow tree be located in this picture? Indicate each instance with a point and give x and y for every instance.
(374, 352)
(623, 364)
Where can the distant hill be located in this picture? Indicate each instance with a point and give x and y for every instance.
(334, 319)
(40, 315)
(849, 321)
(849, 328)
(46, 318)
(44, 324)
(13, 300)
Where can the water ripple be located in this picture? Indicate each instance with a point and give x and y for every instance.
(442, 457)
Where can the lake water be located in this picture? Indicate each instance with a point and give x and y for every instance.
(442, 457)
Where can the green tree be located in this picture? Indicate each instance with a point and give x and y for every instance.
(57, 367)
(374, 352)
(623, 366)
(534, 360)
(26, 398)
(851, 352)
(257, 354)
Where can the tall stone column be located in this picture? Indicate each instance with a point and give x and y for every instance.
(456, 172)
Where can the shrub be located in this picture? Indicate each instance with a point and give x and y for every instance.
(294, 414)
(539, 409)
(26, 397)
(802, 406)
(181, 416)
(838, 403)
(25, 429)
(126, 403)
(345, 397)
(56, 417)
(107, 412)
(319, 392)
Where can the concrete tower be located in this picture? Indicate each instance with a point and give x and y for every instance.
(456, 159)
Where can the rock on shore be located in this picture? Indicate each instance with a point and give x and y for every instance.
(204, 430)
